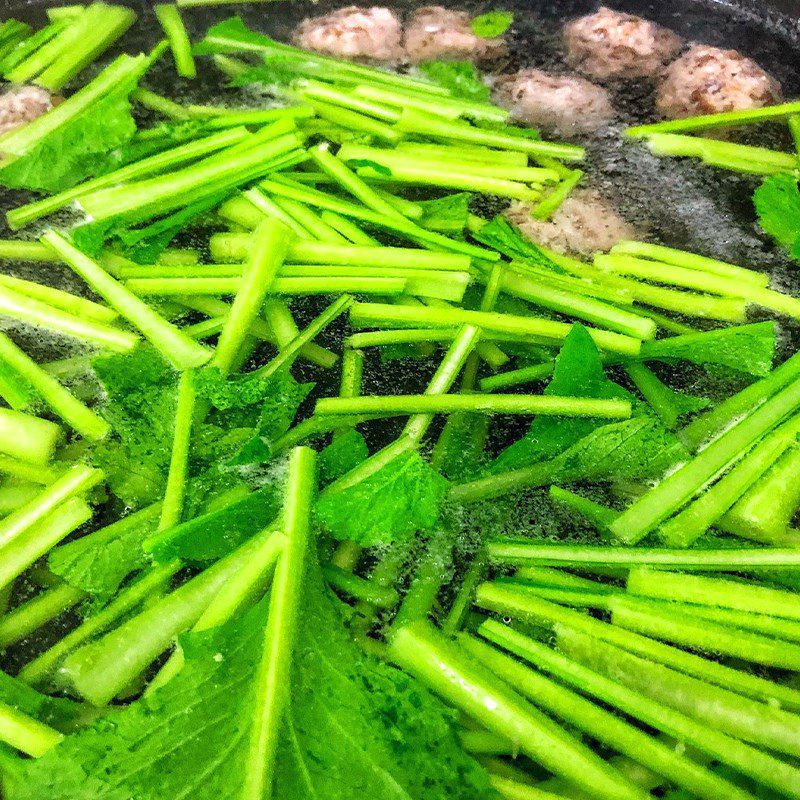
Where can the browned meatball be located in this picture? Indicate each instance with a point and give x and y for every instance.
(564, 104)
(23, 104)
(610, 44)
(351, 32)
(707, 80)
(434, 32)
(584, 224)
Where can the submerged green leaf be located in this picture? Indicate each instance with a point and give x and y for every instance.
(460, 77)
(492, 24)
(399, 499)
(777, 202)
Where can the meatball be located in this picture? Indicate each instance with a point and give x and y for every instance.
(434, 32)
(609, 44)
(564, 104)
(582, 225)
(351, 32)
(22, 104)
(707, 80)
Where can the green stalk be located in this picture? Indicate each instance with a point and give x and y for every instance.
(765, 510)
(22, 215)
(351, 182)
(287, 355)
(516, 377)
(443, 667)
(461, 153)
(713, 592)
(400, 163)
(37, 539)
(175, 491)
(64, 404)
(17, 393)
(246, 587)
(407, 228)
(83, 41)
(26, 734)
(604, 726)
(26, 437)
(100, 670)
(303, 217)
(27, 309)
(599, 515)
(38, 671)
(463, 601)
(335, 284)
(270, 243)
(353, 121)
(524, 553)
(518, 602)
(768, 626)
(379, 315)
(748, 760)
(359, 589)
(682, 258)
(25, 471)
(724, 119)
(170, 19)
(348, 229)
(13, 495)
(448, 107)
(794, 129)
(214, 307)
(553, 201)
(690, 524)
(645, 514)
(720, 417)
(274, 670)
(22, 48)
(228, 247)
(727, 155)
(660, 621)
(581, 307)
(453, 179)
(76, 480)
(400, 405)
(42, 609)
(181, 351)
(702, 281)
(748, 720)
(65, 301)
(160, 104)
(165, 193)
(419, 123)
(548, 576)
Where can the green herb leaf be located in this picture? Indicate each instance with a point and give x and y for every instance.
(447, 214)
(344, 453)
(460, 77)
(501, 235)
(354, 726)
(777, 202)
(400, 499)
(578, 373)
(492, 24)
(76, 151)
(99, 562)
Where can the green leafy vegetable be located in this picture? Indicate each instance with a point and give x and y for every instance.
(344, 453)
(99, 562)
(460, 77)
(492, 24)
(355, 725)
(396, 501)
(447, 214)
(504, 237)
(777, 202)
(578, 373)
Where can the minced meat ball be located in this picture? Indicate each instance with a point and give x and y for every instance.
(610, 44)
(708, 80)
(371, 33)
(434, 32)
(564, 104)
(584, 224)
(23, 104)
